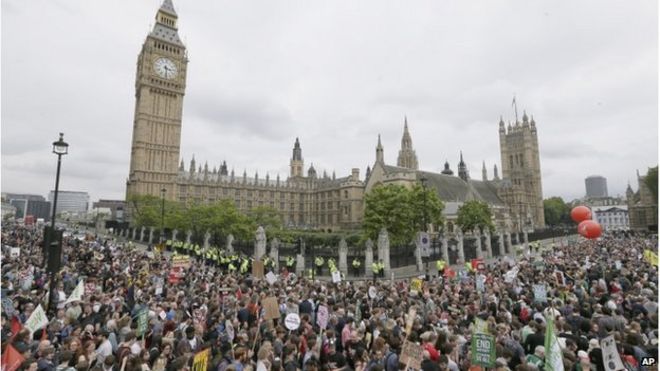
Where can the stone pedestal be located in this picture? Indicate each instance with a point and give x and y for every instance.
(134, 233)
(174, 234)
(489, 247)
(526, 241)
(368, 258)
(384, 250)
(230, 247)
(461, 251)
(343, 255)
(445, 249)
(259, 243)
(188, 236)
(151, 235)
(275, 253)
(207, 237)
(509, 244)
(300, 265)
(141, 234)
(477, 236)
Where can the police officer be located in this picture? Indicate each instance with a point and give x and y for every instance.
(319, 265)
(356, 266)
(440, 265)
(290, 263)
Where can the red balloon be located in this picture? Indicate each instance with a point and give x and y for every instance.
(580, 214)
(589, 229)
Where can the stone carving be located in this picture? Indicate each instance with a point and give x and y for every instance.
(260, 243)
(343, 253)
(368, 258)
(275, 253)
(230, 240)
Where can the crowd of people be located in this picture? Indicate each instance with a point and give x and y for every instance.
(133, 316)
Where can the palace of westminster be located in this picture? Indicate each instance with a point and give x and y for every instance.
(307, 199)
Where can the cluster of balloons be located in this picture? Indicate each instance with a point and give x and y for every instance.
(586, 227)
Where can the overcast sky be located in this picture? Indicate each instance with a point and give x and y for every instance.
(335, 74)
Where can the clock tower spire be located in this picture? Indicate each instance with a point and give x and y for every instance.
(160, 84)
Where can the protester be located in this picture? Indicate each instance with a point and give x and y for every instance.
(131, 313)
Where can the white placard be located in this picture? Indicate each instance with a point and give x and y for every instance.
(373, 292)
(271, 278)
(230, 330)
(322, 317)
(336, 277)
(292, 321)
(618, 264)
(15, 252)
(77, 293)
(611, 359)
(37, 320)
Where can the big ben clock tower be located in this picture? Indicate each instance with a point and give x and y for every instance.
(160, 84)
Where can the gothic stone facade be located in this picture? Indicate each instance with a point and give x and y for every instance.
(314, 201)
(642, 208)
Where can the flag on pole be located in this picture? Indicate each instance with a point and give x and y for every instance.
(11, 359)
(16, 326)
(37, 320)
(77, 293)
(553, 355)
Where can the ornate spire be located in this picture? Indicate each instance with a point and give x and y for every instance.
(231, 177)
(368, 172)
(484, 173)
(297, 151)
(379, 152)
(496, 175)
(462, 169)
(181, 168)
(407, 157)
(223, 168)
(333, 175)
(165, 28)
(502, 129)
(192, 164)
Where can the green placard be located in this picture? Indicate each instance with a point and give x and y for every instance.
(142, 322)
(483, 350)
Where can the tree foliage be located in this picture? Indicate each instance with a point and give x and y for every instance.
(556, 211)
(651, 181)
(400, 211)
(267, 217)
(475, 214)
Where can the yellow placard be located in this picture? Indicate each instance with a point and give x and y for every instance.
(201, 360)
(651, 257)
(416, 285)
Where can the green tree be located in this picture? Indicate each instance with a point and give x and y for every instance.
(651, 181)
(399, 210)
(475, 214)
(556, 211)
(145, 210)
(425, 204)
(267, 217)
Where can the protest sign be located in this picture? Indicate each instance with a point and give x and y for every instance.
(373, 292)
(480, 282)
(559, 277)
(15, 252)
(271, 278)
(618, 264)
(416, 286)
(181, 261)
(142, 322)
(483, 350)
(540, 293)
(410, 318)
(7, 306)
(511, 275)
(322, 317)
(90, 288)
(201, 360)
(229, 328)
(411, 355)
(12, 359)
(258, 269)
(37, 320)
(77, 293)
(292, 321)
(271, 308)
(336, 277)
(480, 326)
(611, 358)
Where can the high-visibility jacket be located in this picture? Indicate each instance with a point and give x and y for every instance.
(244, 266)
(356, 263)
(318, 261)
(440, 264)
(375, 267)
(290, 261)
(232, 267)
(168, 243)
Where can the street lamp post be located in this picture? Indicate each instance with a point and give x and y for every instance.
(60, 148)
(423, 180)
(162, 215)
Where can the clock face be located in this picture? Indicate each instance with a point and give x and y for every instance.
(165, 68)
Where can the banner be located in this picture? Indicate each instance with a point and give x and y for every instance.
(412, 313)
(411, 355)
(37, 320)
(271, 308)
(540, 293)
(11, 359)
(416, 286)
(483, 350)
(181, 261)
(322, 317)
(77, 293)
(480, 326)
(553, 355)
(559, 277)
(478, 264)
(611, 359)
(201, 360)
